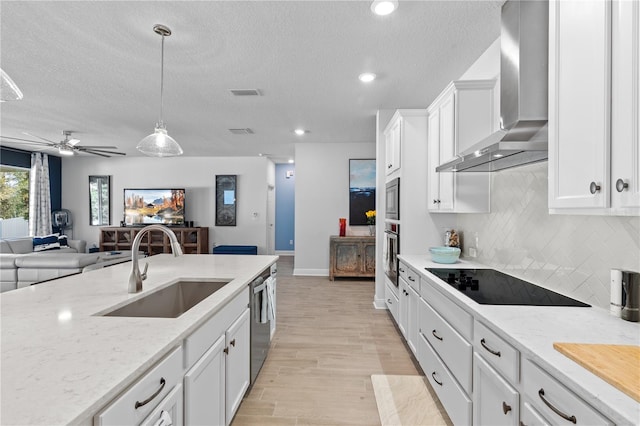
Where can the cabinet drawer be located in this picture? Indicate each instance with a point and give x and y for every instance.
(457, 317)
(453, 398)
(529, 416)
(545, 392)
(410, 276)
(456, 352)
(172, 404)
(200, 340)
(391, 301)
(153, 386)
(504, 357)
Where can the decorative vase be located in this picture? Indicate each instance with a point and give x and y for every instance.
(343, 226)
(372, 230)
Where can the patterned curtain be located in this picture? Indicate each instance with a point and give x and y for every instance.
(39, 195)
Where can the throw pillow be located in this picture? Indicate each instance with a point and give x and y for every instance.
(62, 239)
(46, 242)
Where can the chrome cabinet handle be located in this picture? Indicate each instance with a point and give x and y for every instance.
(389, 301)
(491, 351)
(411, 279)
(226, 350)
(233, 343)
(505, 408)
(401, 270)
(435, 201)
(435, 335)
(433, 376)
(389, 166)
(139, 404)
(621, 185)
(594, 187)
(439, 201)
(568, 418)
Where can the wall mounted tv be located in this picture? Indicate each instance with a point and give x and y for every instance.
(146, 206)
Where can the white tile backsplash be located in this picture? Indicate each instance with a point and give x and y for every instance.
(566, 253)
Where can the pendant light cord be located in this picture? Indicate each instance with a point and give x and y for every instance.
(161, 124)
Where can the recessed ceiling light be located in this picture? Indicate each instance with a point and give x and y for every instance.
(384, 7)
(367, 77)
(290, 160)
(300, 132)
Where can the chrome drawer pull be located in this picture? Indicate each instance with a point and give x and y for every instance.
(571, 419)
(594, 187)
(411, 278)
(491, 351)
(621, 185)
(148, 400)
(233, 342)
(435, 335)
(505, 408)
(433, 376)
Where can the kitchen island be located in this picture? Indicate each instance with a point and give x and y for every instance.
(62, 362)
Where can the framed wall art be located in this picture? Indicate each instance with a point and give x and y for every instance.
(362, 190)
(226, 196)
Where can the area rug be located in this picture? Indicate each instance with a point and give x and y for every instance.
(407, 400)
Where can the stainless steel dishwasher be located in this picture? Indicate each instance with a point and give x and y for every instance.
(260, 322)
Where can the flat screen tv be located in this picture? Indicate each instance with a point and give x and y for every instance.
(146, 206)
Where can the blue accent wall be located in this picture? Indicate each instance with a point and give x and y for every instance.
(285, 207)
(19, 158)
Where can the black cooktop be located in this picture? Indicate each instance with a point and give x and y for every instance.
(491, 287)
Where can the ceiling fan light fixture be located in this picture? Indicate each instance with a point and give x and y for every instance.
(9, 90)
(159, 143)
(384, 7)
(367, 77)
(63, 150)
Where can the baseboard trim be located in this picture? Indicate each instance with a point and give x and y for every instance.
(285, 253)
(379, 304)
(311, 272)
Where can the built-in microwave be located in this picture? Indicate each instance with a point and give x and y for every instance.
(392, 209)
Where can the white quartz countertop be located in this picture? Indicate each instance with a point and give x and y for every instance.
(61, 363)
(534, 329)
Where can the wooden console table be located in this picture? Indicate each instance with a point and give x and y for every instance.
(192, 240)
(353, 256)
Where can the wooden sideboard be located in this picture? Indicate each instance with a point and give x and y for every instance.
(353, 256)
(192, 240)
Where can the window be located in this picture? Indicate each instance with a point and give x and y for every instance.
(14, 202)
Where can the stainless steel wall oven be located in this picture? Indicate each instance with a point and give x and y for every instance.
(391, 251)
(392, 200)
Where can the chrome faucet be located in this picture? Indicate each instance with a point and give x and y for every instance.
(136, 278)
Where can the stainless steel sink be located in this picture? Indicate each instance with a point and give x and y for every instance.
(171, 301)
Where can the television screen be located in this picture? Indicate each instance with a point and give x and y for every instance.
(147, 206)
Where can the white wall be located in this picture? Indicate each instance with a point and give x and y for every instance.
(195, 174)
(322, 197)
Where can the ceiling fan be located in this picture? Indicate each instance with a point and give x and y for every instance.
(68, 146)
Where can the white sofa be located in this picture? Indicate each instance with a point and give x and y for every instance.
(20, 266)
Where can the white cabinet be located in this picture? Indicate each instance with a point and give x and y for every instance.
(237, 366)
(495, 401)
(169, 408)
(461, 116)
(554, 402)
(138, 402)
(593, 107)
(409, 287)
(403, 306)
(204, 388)
(392, 301)
(393, 141)
(412, 318)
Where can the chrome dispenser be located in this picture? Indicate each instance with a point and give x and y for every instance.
(630, 296)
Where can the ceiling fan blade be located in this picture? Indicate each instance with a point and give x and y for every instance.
(24, 140)
(34, 136)
(96, 151)
(73, 142)
(96, 146)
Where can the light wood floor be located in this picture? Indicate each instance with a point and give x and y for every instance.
(328, 343)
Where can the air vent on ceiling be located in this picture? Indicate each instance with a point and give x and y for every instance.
(245, 92)
(246, 131)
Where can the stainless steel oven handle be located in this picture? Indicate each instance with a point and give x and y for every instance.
(259, 288)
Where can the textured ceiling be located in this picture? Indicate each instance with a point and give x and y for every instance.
(94, 67)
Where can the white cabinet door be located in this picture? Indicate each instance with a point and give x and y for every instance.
(433, 138)
(625, 113)
(237, 363)
(204, 388)
(579, 104)
(393, 145)
(403, 306)
(447, 151)
(171, 405)
(412, 319)
(495, 401)
(391, 301)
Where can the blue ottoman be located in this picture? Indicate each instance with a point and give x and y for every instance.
(235, 250)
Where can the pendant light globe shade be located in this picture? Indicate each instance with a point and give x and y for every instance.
(159, 144)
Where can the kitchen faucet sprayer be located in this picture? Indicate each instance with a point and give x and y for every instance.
(136, 278)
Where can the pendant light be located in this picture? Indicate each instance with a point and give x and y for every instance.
(159, 143)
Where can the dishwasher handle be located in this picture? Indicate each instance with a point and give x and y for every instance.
(257, 289)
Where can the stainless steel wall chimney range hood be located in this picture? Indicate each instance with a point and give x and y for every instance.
(522, 139)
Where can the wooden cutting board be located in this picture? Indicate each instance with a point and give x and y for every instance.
(618, 365)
